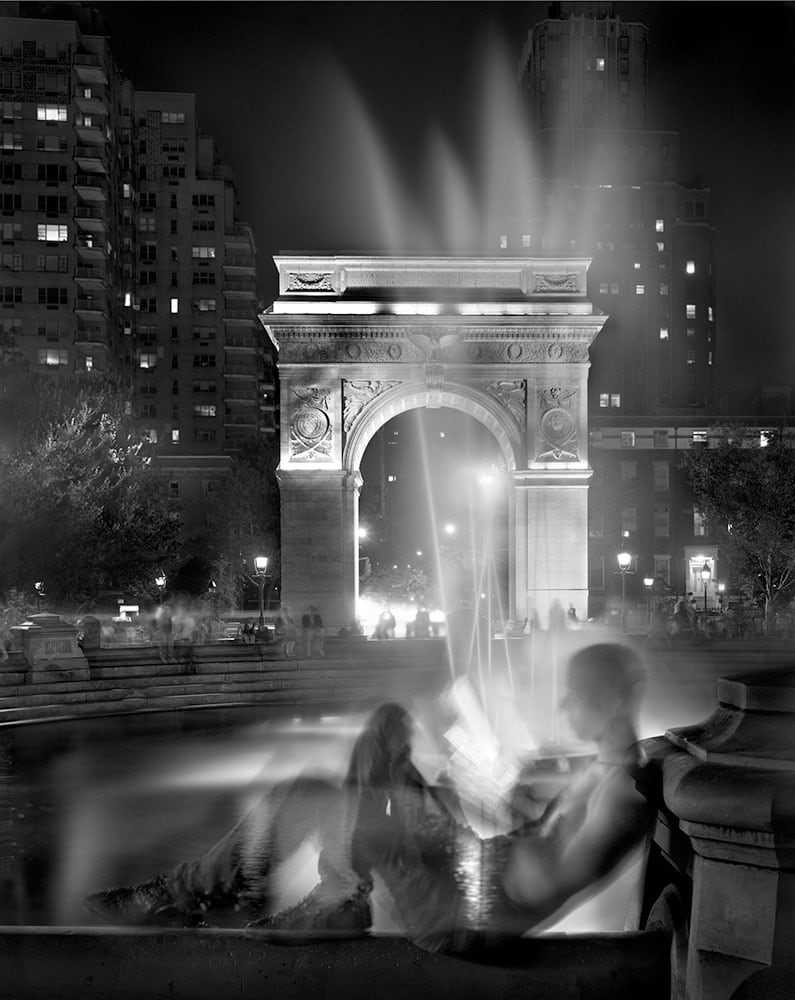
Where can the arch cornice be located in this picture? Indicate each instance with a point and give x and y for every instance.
(410, 395)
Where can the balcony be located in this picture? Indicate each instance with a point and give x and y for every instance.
(238, 264)
(91, 188)
(91, 278)
(89, 69)
(96, 104)
(90, 220)
(91, 159)
(235, 315)
(90, 336)
(89, 249)
(240, 371)
(91, 306)
(246, 289)
(247, 344)
(91, 135)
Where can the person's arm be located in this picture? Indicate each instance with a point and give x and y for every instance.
(545, 872)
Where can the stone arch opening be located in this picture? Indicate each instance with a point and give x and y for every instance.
(433, 518)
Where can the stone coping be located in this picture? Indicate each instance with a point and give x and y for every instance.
(40, 963)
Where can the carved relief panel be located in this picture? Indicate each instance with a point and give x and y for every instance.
(558, 425)
(355, 397)
(310, 424)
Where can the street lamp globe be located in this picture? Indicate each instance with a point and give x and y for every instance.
(261, 564)
(648, 582)
(706, 573)
(160, 581)
(624, 559)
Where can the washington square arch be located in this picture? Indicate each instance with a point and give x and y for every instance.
(504, 340)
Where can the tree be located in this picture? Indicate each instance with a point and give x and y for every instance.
(243, 522)
(391, 584)
(746, 491)
(79, 507)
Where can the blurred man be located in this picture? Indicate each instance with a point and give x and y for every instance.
(451, 888)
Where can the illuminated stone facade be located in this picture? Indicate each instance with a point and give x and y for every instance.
(362, 339)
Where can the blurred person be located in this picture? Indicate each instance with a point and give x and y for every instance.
(285, 631)
(385, 626)
(657, 631)
(422, 623)
(164, 631)
(451, 889)
(683, 620)
(313, 633)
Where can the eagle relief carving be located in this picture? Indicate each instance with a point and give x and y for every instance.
(356, 395)
(512, 395)
(558, 425)
(310, 426)
(434, 343)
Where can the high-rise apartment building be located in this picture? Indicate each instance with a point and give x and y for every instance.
(122, 250)
(611, 188)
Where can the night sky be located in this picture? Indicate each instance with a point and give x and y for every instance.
(335, 117)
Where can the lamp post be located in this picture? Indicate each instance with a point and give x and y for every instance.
(706, 573)
(624, 562)
(38, 586)
(721, 592)
(648, 583)
(260, 575)
(160, 583)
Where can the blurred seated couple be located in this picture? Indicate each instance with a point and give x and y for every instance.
(452, 889)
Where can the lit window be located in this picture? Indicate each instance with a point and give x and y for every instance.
(710, 314)
(175, 305)
(52, 234)
(204, 409)
(659, 225)
(147, 361)
(660, 248)
(391, 479)
(691, 357)
(89, 362)
(615, 399)
(627, 439)
(604, 399)
(709, 357)
(663, 333)
(527, 240)
(203, 253)
(699, 437)
(600, 65)
(614, 288)
(604, 288)
(629, 522)
(172, 117)
(204, 305)
(640, 289)
(50, 113)
(175, 437)
(52, 357)
(128, 298)
(503, 242)
(636, 265)
(690, 267)
(690, 310)
(149, 434)
(765, 438)
(126, 191)
(699, 524)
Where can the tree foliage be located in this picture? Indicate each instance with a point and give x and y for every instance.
(243, 522)
(79, 509)
(747, 493)
(389, 584)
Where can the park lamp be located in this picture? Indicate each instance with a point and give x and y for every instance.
(706, 573)
(260, 569)
(260, 565)
(624, 560)
(648, 582)
(160, 581)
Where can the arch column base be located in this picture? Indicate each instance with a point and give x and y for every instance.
(320, 548)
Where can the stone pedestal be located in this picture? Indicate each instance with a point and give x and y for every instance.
(728, 790)
(49, 645)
